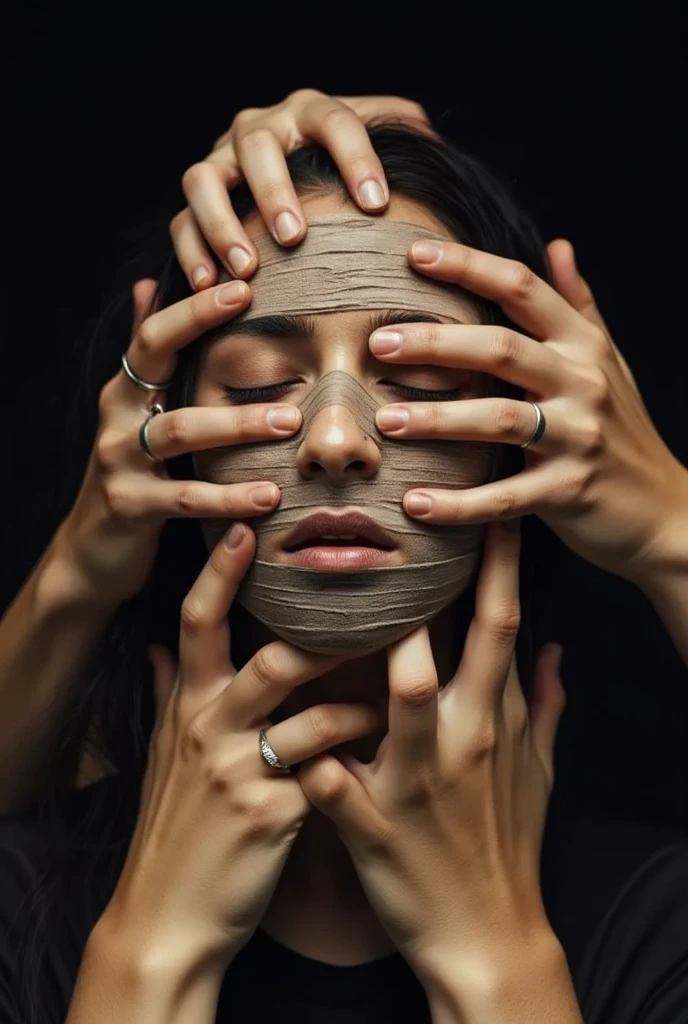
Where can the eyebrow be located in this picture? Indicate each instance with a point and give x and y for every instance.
(303, 328)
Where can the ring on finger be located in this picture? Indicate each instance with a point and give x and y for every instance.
(270, 757)
(139, 382)
(540, 427)
(154, 410)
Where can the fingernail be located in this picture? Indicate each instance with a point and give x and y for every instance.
(426, 252)
(383, 343)
(371, 195)
(392, 418)
(286, 226)
(238, 259)
(230, 294)
(286, 418)
(199, 274)
(265, 495)
(418, 504)
(235, 536)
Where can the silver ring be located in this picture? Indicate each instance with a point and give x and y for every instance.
(270, 757)
(143, 384)
(154, 410)
(540, 426)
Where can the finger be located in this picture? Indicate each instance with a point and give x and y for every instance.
(317, 729)
(160, 499)
(502, 420)
(206, 186)
(514, 707)
(532, 490)
(191, 251)
(197, 428)
(152, 352)
(525, 298)
(164, 677)
(204, 639)
(547, 703)
(576, 290)
(335, 126)
(489, 648)
(143, 294)
(569, 282)
(264, 166)
(389, 108)
(268, 678)
(487, 349)
(413, 702)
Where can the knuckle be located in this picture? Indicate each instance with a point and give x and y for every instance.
(244, 118)
(483, 741)
(255, 139)
(574, 487)
(323, 725)
(304, 96)
(505, 505)
(505, 623)
(187, 499)
(417, 692)
(264, 809)
(507, 418)
(266, 667)
(337, 118)
(147, 335)
(194, 176)
(108, 452)
(505, 348)
(194, 741)
(590, 437)
(597, 387)
(177, 427)
(521, 280)
(194, 615)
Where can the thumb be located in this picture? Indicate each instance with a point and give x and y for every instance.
(577, 292)
(143, 293)
(547, 703)
(164, 676)
(569, 283)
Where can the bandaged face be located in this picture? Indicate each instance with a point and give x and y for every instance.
(370, 574)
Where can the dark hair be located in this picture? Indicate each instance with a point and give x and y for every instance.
(478, 209)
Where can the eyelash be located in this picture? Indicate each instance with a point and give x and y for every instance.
(411, 394)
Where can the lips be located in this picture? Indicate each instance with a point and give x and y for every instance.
(348, 542)
(348, 529)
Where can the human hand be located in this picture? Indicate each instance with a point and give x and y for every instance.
(111, 534)
(601, 477)
(216, 823)
(445, 826)
(253, 149)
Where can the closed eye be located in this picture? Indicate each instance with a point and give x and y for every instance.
(405, 391)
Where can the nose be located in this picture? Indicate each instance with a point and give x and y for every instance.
(337, 448)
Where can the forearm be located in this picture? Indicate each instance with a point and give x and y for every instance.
(48, 637)
(664, 579)
(118, 984)
(531, 987)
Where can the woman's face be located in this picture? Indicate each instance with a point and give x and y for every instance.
(339, 462)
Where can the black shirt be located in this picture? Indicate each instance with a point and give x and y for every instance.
(616, 894)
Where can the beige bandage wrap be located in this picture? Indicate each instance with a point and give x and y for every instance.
(363, 610)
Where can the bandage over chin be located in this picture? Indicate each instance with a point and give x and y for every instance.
(363, 610)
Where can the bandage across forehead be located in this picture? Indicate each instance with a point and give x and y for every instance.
(366, 609)
(347, 263)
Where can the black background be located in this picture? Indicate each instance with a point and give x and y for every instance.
(580, 107)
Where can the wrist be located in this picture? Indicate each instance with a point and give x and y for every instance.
(664, 558)
(525, 981)
(171, 965)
